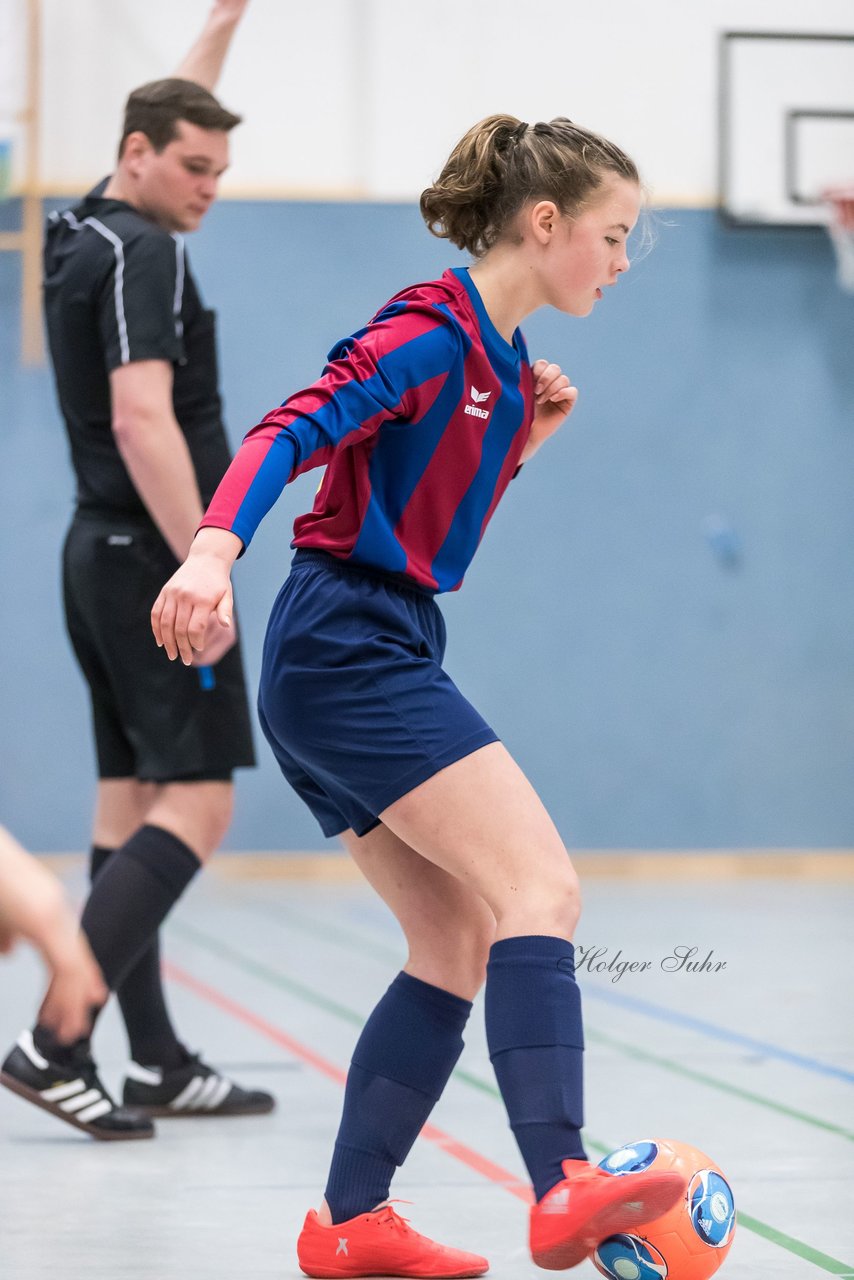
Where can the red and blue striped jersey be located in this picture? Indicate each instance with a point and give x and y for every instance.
(420, 419)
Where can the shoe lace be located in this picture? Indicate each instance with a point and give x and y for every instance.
(389, 1216)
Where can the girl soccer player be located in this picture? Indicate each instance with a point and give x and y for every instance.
(422, 419)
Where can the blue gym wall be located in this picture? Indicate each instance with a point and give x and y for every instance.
(660, 622)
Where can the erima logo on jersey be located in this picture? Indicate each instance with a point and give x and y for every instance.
(478, 397)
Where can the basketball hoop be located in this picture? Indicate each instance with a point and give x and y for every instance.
(841, 230)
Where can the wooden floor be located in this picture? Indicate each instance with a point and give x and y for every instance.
(273, 965)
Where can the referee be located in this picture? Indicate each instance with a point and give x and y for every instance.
(134, 356)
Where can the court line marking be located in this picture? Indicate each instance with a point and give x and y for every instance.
(702, 1077)
(367, 945)
(661, 1013)
(499, 1176)
(472, 1159)
(632, 1003)
(833, 1265)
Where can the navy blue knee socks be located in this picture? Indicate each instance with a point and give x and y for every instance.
(535, 1038)
(401, 1064)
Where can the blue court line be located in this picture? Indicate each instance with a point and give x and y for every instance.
(664, 1014)
(281, 980)
(661, 1012)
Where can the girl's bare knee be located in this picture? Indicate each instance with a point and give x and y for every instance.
(454, 955)
(568, 903)
(548, 904)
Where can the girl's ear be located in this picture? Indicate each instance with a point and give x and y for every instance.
(543, 218)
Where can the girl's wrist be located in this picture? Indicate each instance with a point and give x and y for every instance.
(220, 543)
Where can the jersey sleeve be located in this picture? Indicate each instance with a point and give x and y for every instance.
(386, 372)
(139, 305)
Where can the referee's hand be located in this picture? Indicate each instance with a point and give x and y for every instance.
(218, 641)
(197, 603)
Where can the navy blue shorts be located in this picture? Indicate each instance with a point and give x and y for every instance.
(353, 698)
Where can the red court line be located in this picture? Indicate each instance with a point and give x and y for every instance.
(472, 1159)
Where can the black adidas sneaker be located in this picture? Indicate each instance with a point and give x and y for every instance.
(193, 1089)
(73, 1093)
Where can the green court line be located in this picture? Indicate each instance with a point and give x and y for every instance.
(275, 978)
(368, 946)
(798, 1247)
(264, 972)
(689, 1073)
(299, 989)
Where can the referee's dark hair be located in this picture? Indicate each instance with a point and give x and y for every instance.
(155, 109)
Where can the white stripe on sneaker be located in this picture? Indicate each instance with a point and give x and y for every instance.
(208, 1092)
(25, 1042)
(219, 1095)
(66, 1089)
(187, 1096)
(94, 1112)
(84, 1100)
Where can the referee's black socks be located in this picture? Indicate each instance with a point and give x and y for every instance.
(142, 1000)
(132, 895)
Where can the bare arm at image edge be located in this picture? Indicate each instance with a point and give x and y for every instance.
(33, 908)
(203, 64)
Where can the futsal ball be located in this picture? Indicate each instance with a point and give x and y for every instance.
(691, 1240)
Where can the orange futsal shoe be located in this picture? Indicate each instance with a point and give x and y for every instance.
(380, 1243)
(590, 1204)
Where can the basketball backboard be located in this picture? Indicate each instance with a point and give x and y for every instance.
(786, 125)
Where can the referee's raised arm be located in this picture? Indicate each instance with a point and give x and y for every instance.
(134, 356)
(203, 62)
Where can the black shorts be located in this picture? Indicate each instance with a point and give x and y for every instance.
(154, 720)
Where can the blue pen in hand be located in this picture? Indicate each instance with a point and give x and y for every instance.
(207, 677)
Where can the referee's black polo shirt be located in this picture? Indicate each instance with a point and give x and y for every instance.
(118, 289)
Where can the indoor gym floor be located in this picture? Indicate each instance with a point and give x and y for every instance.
(273, 965)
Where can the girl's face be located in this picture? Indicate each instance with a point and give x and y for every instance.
(588, 252)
